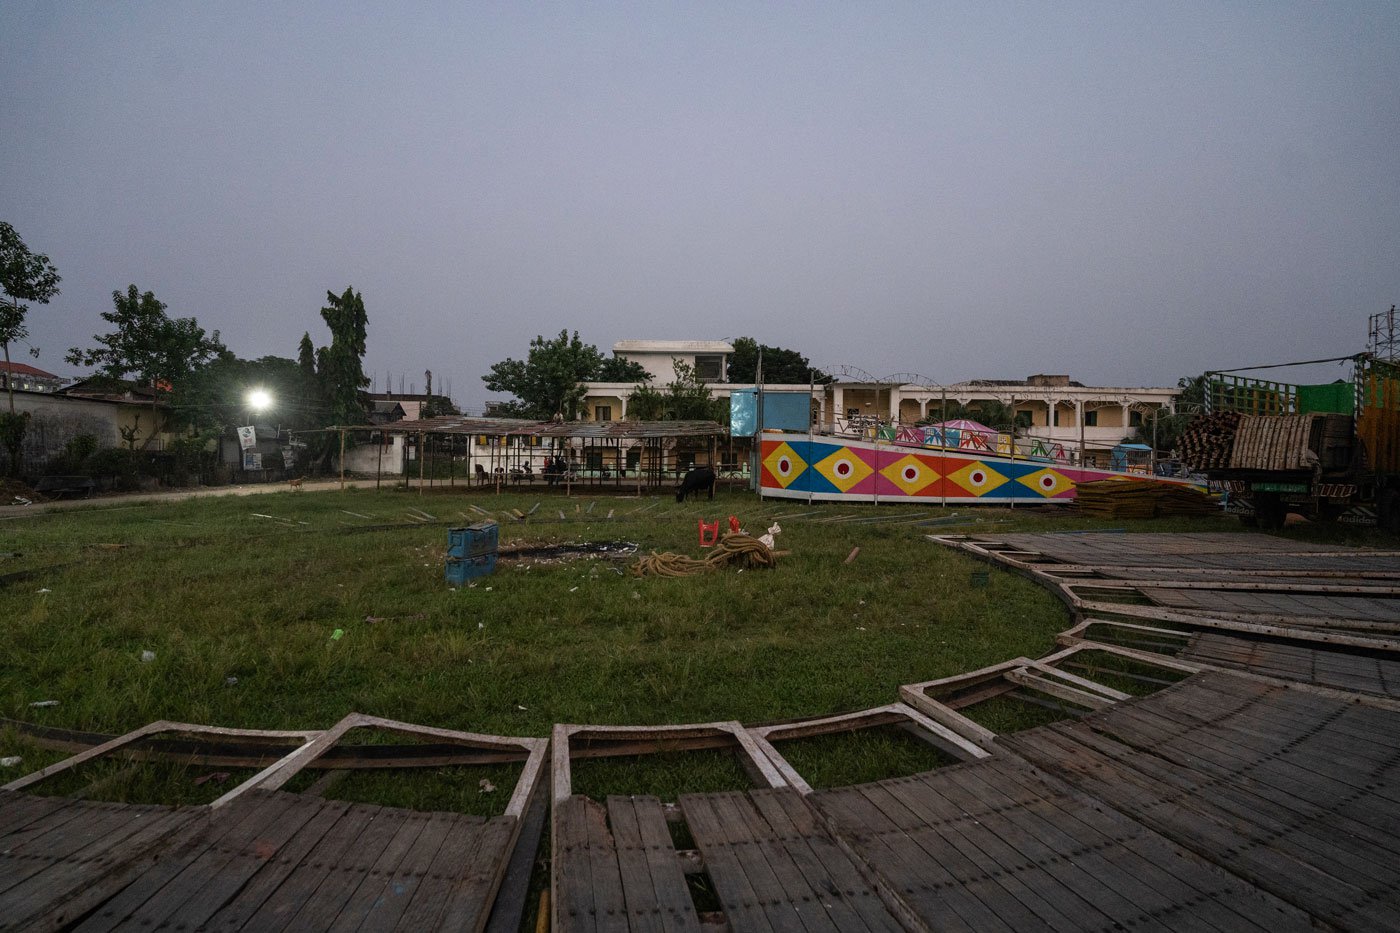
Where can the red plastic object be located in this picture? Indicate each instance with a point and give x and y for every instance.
(733, 525)
(713, 536)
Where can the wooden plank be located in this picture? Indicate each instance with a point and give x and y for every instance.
(384, 893)
(573, 879)
(894, 858)
(336, 886)
(218, 872)
(70, 888)
(18, 810)
(653, 884)
(469, 902)
(792, 897)
(308, 847)
(1334, 900)
(816, 852)
(927, 870)
(743, 903)
(1206, 892)
(446, 870)
(232, 830)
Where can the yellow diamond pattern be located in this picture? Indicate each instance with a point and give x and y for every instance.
(910, 474)
(784, 464)
(844, 468)
(1047, 482)
(977, 478)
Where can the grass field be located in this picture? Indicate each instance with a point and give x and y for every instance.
(239, 599)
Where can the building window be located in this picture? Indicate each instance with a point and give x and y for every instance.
(709, 368)
(1134, 419)
(602, 413)
(1055, 419)
(1091, 418)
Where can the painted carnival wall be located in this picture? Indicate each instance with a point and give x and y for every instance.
(836, 469)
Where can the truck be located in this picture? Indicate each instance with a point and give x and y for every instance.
(1329, 452)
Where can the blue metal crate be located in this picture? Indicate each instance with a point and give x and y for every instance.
(461, 570)
(474, 540)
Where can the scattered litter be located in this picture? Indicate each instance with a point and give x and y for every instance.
(481, 625)
(230, 681)
(519, 707)
(260, 515)
(12, 761)
(23, 501)
(590, 506)
(486, 786)
(42, 703)
(860, 628)
(852, 556)
(610, 513)
(532, 508)
(636, 595)
(488, 589)
(573, 589)
(43, 589)
(215, 777)
(338, 634)
(773, 530)
(147, 657)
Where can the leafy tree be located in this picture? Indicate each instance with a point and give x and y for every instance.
(1190, 404)
(646, 404)
(159, 351)
(24, 276)
(619, 369)
(216, 396)
(780, 366)
(339, 367)
(550, 379)
(687, 398)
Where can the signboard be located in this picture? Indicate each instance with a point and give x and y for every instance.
(247, 437)
(252, 460)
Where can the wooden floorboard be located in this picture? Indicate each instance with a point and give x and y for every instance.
(653, 884)
(1275, 816)
(1326, 668)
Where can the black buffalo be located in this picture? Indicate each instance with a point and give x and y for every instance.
(697, 479)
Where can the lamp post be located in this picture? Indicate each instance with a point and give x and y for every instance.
(258, 400)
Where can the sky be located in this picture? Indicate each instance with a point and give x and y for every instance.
(1126, 192)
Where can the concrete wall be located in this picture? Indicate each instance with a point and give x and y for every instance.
(55, 420)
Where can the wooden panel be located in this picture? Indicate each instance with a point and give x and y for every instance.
(653, 885)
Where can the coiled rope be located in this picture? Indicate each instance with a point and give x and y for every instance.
(742, 549)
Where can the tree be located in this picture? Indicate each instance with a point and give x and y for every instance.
(339, 367)
(159, 351)
(1190, 404)
(780, 366)
(620, 369)
(550, 379)
(689, 397)
(24, 276)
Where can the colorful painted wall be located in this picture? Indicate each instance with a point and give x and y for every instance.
(795, 467)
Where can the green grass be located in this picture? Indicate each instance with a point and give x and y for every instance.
(239, 597)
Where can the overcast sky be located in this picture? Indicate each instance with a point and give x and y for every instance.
(1125, 192)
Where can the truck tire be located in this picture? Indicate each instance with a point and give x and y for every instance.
(1270, 510)
(1388, 510)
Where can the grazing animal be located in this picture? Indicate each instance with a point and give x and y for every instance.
(295, 483)
(695, 480)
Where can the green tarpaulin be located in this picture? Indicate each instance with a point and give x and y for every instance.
(1333, 398)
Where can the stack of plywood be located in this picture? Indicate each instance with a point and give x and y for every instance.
(1136, 499)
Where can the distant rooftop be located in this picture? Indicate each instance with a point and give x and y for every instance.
(24, 369)
(673, 346)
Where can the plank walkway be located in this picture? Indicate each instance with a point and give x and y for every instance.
(1220, 803)
(268, 861)
(1338, 670)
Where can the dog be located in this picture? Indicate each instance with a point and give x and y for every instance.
(296, 483)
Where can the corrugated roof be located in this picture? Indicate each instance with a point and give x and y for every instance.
(502, 427)
(24, 369)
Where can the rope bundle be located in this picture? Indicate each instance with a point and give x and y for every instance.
(741, 549)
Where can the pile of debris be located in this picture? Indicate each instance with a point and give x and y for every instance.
(1208, 442)
(1142, 499)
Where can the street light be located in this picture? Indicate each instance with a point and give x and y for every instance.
(259, 400)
